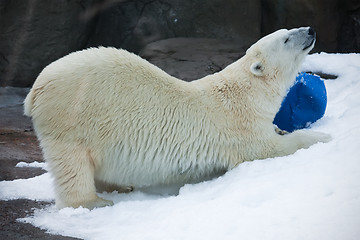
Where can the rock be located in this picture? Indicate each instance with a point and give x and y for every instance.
(192, 58)
(349, 37)
(11, 110)
(35, 33)
(235, 20)
(137, 23)
(322, 15)
(12, 96)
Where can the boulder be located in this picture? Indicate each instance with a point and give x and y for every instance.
(134, 24)
(35, 33)
(11, 110)
(349, 36)
(192, 58)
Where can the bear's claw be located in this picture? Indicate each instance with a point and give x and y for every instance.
(97, 203)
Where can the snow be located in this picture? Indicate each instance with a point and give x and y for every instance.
(38, 188)
(312, 194)
(35, 164)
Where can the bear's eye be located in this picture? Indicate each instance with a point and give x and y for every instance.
(286, 40)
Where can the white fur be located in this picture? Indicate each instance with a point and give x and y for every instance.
(108, 117)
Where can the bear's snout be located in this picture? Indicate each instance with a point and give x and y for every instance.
(312, 32)
(310, 39)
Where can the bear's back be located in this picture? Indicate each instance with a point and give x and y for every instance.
(107, 64)
(100, 74)
(108, 86)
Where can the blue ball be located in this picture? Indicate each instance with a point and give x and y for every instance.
(304, 104)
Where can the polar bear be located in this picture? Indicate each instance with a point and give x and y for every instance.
(108, 117)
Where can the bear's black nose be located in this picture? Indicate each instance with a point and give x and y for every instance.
(311, 31)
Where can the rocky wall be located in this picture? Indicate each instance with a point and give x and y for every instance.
(34, 33)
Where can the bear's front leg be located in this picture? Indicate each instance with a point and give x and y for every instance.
(73, 171)
(291, 142)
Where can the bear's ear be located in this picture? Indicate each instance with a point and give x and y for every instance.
(257, 69)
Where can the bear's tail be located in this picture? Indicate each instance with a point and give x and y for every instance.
(28, 103)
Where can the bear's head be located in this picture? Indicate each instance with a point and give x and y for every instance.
(281, 52)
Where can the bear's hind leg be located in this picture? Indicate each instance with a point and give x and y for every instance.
(74, 180)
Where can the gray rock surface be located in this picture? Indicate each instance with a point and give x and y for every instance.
(192, 58)
(349, 37)
(337, 22)
(137, 23)
(322, 15)
(11, 100)
(34, 33)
